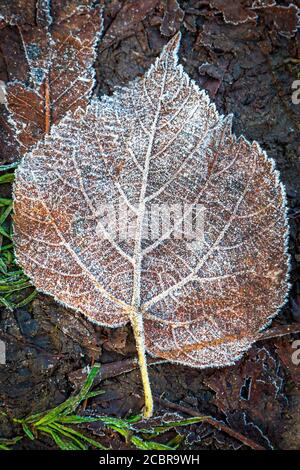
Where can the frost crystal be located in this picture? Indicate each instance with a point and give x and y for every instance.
(60, 55)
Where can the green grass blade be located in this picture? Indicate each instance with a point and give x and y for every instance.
(111, 421)
(74, 419)
(77, 434)
(3, 267)
(173, 424)
(148, 445)
(61, 443)
(27, 300)
(64, 431)
(96, 393)
(70, 405)
(6, 247)
(4, 447)
(5, 233)
(176, 441)
(5, 213)
(7, 178)
(6, 303)
(5, 444)
(9, 166)
(5, 201)
(27, 431)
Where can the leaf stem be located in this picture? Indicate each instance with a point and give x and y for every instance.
(47, 106)
(138, 330)
(136, 318)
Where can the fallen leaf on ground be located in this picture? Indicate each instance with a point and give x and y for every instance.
(60, 55)
(198, 300)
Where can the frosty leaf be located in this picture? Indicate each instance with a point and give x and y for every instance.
(244, 393)
(158, 141)
(126, 20)
(252, 386)
(172, 18)
(234, 12)
(60, 53)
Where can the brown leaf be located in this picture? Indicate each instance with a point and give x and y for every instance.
(8, 145)
(288, 352)
(126, 20)
(172, 18)
(60, 56)
(13, 54)
(253, 386)
(250, 395)
(9, 149)
(210, 77)
(199, 302)
(234, 11)
(262, 4)
(18, 11)
(284, 19)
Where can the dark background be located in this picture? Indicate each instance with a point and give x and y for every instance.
(247, 59)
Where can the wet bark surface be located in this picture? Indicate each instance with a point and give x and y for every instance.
(246, 55)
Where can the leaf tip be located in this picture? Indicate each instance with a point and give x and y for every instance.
(172, 47)
(174, 43)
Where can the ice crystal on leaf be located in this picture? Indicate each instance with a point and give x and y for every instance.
(60, 54)
(159, 140)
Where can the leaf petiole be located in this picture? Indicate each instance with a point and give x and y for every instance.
(138, 331)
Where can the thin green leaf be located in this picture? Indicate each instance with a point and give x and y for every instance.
(5, 233)
(3, 267)
(173, 424)
(123, 432)
(6, 303)
(110, 421)
(134, 419)
(5, 201)
(5, 213)
(15, 287)
(5, 444)
(27, 300)
(71, 403)
(62, 444)
(176, 441)
(28, 432)
(71, 431)
(7, 178)
(149, 445)
(96, 393)
(4, 447)
(9, 166)
(74, 419)
(66, 432)
(6, 247)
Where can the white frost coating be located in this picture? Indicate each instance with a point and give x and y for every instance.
(236, 13)
(61, 59)
(290, 34)
(2, 92)
(160, 139)
(260, 4)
